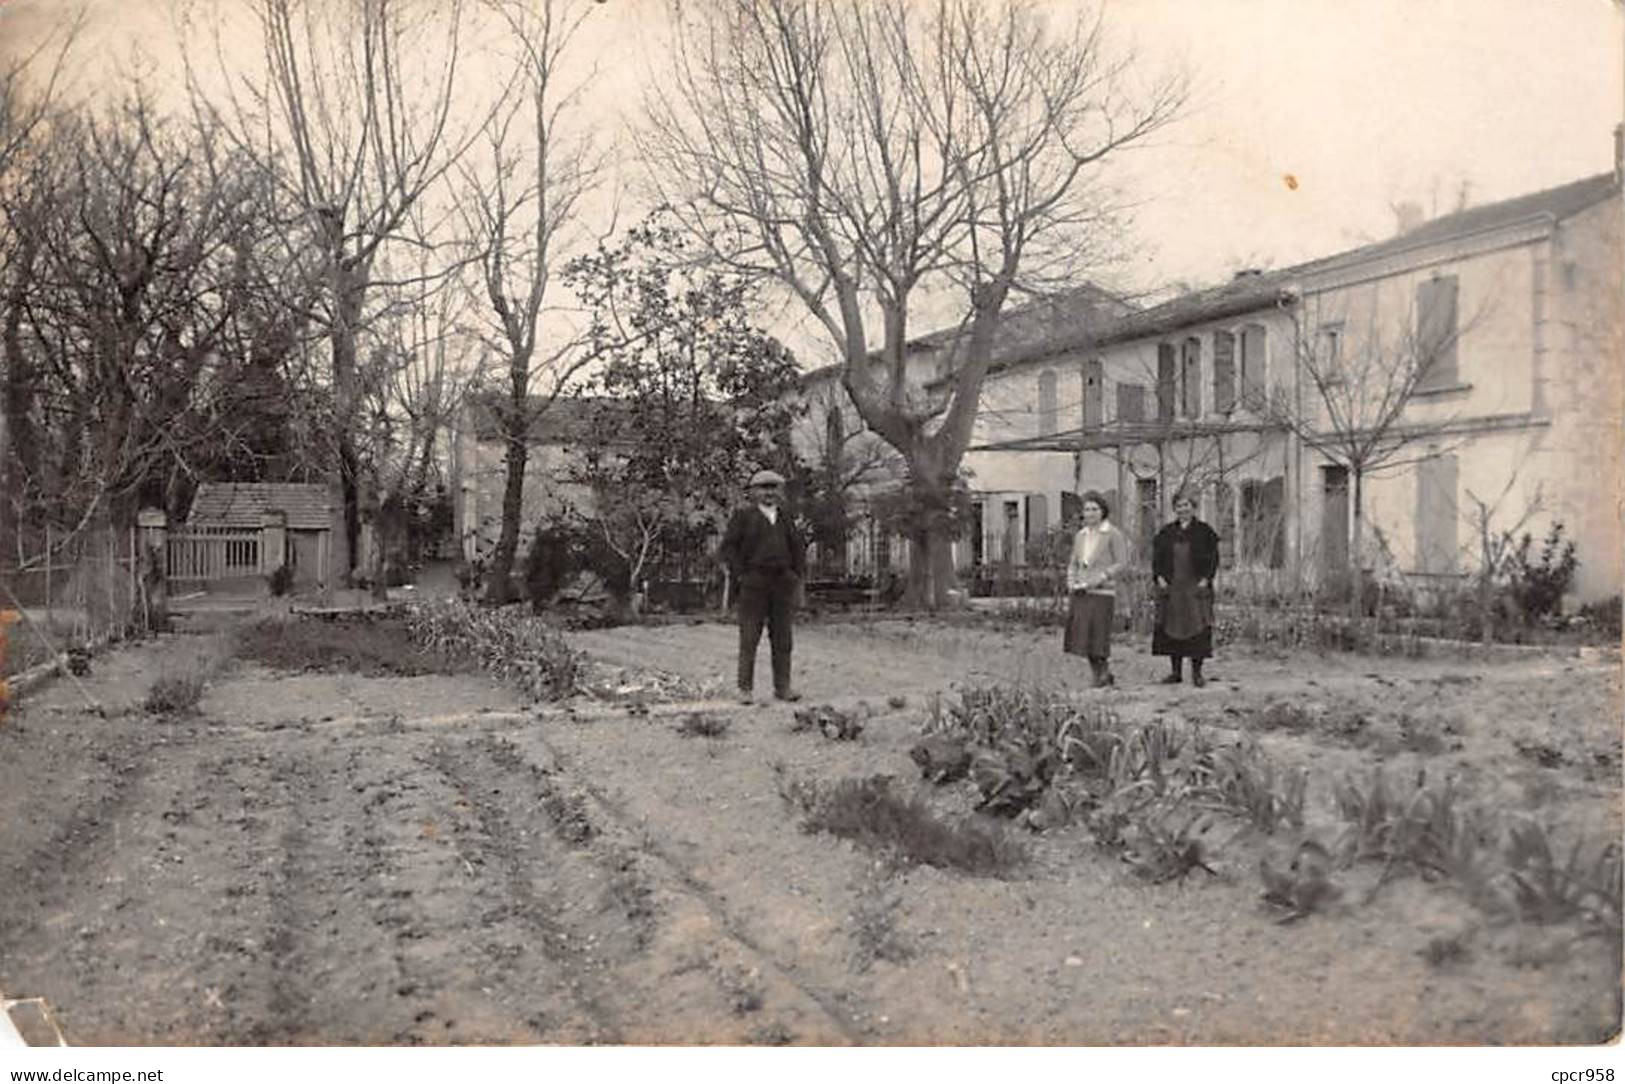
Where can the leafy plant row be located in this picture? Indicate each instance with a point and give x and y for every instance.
(514, 646)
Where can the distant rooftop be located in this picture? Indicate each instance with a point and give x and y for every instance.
(310, 506)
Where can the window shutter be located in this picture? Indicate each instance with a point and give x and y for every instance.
(1131, 402)
(1436, 514)
(1191, 379)
(1224, 522)
(1047, 421)
(1167, 378)
(1436, 333)
(1224, 372)
(1253, 340)
(1093, 393)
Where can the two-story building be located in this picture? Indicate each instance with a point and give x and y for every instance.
(1518, 408)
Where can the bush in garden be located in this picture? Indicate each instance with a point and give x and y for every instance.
(1604, 616)
(281, 581)
(1539, 581)
(551, 562)
(509, 643)
(870, 814)
(175, 694)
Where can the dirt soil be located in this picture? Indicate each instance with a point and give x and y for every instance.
(334, 859)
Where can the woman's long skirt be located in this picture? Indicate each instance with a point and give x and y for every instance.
(1089, 625)
(1184, 622)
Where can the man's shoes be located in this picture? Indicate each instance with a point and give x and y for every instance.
(789, 695)
(1172, 679)
(745, 696)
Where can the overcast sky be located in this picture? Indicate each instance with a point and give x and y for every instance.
(1361, 103)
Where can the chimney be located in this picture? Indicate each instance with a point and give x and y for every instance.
(1249, 272)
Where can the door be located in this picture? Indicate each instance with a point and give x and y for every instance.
(1012, 533)
(978, 544)
(1334, 522)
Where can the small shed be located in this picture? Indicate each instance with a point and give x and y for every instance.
(297, 523)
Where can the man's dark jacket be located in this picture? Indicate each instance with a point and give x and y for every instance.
(752, 544)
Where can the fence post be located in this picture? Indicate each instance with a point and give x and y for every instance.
(50, 618)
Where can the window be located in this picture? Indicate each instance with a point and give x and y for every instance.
(1131, 402)
(1047, 420)
(1224, 372)
(1436, 515)
(1224, 522)
(1329, 352)
(1436, 333)
(1094, 391)
(1037, 517)
(1263, 523)
(1190, 384)
(1253, 387)
(1167, 378)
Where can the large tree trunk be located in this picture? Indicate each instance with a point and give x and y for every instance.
(349, 297)
(500, 589)
(1356, 548)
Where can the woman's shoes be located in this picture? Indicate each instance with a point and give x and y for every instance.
(1198, 680)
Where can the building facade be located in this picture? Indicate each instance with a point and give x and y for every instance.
(1498, 328)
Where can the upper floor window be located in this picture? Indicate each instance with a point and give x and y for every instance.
(1190, 383)
(1329, 352)
(1436, 333)
(1094, 392)
(1131, 402)
(1048, 422)
(1253, 343)
(1167, 381)
(1224, 372)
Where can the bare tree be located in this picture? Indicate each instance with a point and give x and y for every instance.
(28, 100)
(137, 275)
(354, 113)
(1353, 400)
(519, 209)
(868, 155)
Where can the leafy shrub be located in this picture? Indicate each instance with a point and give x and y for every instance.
(280, 581)
(1249, 785)
(1604, 616)
(697, 724)
(1539, 582)
(1546, 890)
(550, 562)
(833, 723)
(867, 812)
(175, 694)
(506, 642)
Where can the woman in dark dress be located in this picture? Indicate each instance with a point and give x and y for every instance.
(1184, 560)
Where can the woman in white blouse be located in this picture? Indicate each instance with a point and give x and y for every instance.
(1099, 554)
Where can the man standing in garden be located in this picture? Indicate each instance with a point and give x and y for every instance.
(763, 552)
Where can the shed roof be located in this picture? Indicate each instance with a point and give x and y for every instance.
(310, 506)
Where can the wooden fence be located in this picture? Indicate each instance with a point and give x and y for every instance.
(212, 554)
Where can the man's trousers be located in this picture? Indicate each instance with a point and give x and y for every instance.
(768, 597)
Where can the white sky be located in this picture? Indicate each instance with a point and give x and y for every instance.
(1363, 103)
